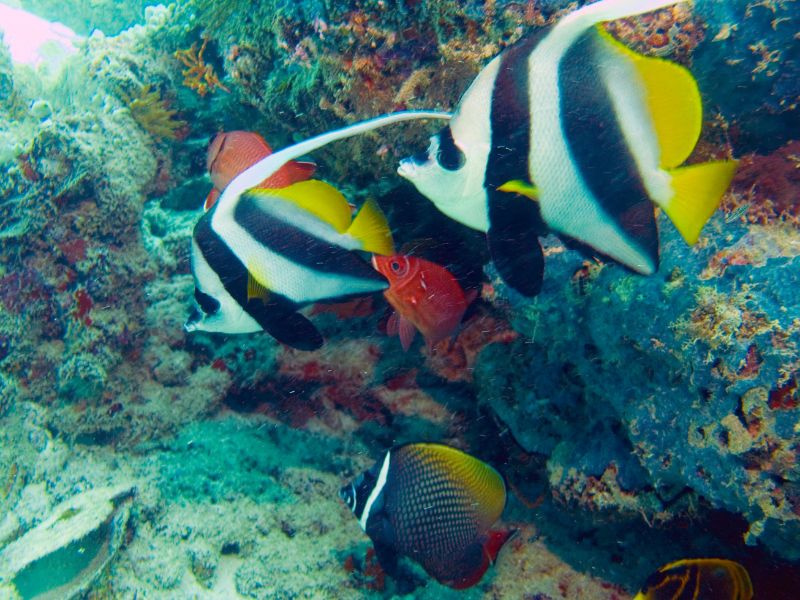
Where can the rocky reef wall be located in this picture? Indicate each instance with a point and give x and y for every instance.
(637, 403)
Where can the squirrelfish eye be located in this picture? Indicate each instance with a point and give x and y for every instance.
(399, 266)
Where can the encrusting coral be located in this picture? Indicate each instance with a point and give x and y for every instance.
(150, 111)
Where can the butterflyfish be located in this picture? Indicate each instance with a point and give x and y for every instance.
(303, 248)
(260, 255)
(569, 131)
(698, 579)
(434, 504)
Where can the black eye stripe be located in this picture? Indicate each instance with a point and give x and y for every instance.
(449, 156)
(206, 302)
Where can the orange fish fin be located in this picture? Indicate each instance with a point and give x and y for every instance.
(407, 332)
(495, 540)
(301, 170)
(392, 327)
(488, 547)
(211, 199)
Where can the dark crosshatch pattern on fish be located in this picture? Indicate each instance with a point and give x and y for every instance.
(400, 299)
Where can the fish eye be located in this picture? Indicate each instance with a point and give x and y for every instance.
(398, 267)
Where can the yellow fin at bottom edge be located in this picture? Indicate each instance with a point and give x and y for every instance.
(698, 190)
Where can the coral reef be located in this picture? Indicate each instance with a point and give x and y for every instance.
(633, 417)
(693, 391)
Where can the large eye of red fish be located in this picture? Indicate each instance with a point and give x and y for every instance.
(398, 267)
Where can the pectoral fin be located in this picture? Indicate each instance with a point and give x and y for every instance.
(407, 332)
(523, 188)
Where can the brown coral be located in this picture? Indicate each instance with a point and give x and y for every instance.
(150, 111)
(198, 75)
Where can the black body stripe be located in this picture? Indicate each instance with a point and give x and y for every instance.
(299, 246)
(598, 146)
(228, 267)
(510, 115)
(277, 315)
(515, 222)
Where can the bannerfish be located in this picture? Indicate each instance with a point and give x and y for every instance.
(570, 131)
(230, 153)
(425, 297)
(435, 505)
(248, 278)
(303, 251)
(698, 579)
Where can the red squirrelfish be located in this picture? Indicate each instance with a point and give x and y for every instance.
(425, 296)
(231, 153)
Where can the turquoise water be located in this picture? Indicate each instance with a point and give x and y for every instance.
(625, 361)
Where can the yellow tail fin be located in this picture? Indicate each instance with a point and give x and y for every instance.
(698, 190)
(372, 230)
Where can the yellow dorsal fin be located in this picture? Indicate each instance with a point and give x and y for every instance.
(256, 285)
(372, 230)
(674, 101)
(484, 485)
(316, 197)
(698, 190)
(523, 188)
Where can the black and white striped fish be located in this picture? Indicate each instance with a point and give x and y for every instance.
(260, 255)
(300, 244)
(593, 133)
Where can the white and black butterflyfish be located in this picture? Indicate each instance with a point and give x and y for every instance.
(260, 255)
(302, 248)
(570, 131)
(435, 505)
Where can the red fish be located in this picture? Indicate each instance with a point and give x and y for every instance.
(231, 153)
(425, 296)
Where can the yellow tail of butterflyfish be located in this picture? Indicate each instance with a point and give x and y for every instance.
(698, 190)
(371, 228)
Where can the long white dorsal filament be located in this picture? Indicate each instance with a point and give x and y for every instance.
(258, 172)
